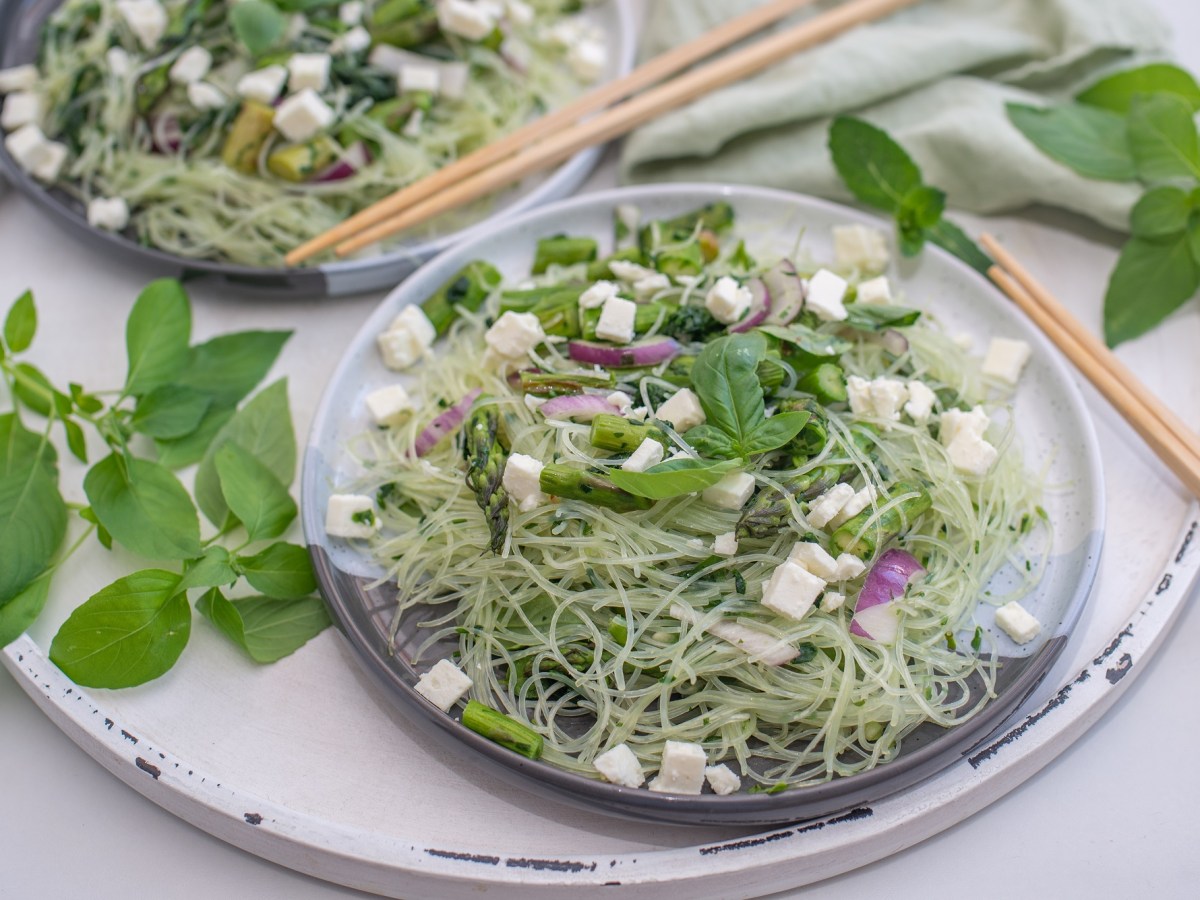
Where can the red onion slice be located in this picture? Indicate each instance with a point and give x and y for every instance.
(166, 133)
(787, 293)
(875, 613)
(444, 424)
(577, 407)
(894, 342)
(760, 307)
(647, 353)
(354, 159)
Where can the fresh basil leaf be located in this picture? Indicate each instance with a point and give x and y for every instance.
(76, 442)
(144, 507)
(812, 342)
(156, 336)
(875, 168)
(34, 390)
(674, 477)
(170, 411)
(22, 611)
(228, 367)
(1193, 237)
(1094, 142)
(280, 570)
(102, 535)
(711, 442)
(84, 402)
(920, 210)
(213, 569)
(875, 317)
(266, 629)
(951, 238)
(1116, 92)
(127, 634)
(22, 449)
(1162, 136)
(777, 431)
(1161, 212)
(258, 25)
(253, 493)
(33, 522)
(175, 453)
(725, 377)
(20, 325)
(1151, 280)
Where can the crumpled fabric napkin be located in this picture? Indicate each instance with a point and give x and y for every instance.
(935, 76)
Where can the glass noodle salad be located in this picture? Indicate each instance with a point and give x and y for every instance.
(236, 130)
(686, 514)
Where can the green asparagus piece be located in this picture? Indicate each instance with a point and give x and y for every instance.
(404, 23)
(617, 433)
(150, 88)
(715, 217)
(826, 382)
(551, 384)
(562, 250)
(467, 289)
(504, 730)
(618, 629)
(485, 457)
(891, 524)
(769, 511)
(560, 480)
(599, 269)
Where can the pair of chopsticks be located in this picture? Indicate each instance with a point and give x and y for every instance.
(560, 134)
(1165, 433)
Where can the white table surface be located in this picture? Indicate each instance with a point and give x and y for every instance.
(1113, 815)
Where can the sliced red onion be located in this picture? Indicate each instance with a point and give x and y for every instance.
(894, 342)
(876, 616)
(760, 307)
(787, 293)
(354, 159)
(166, 133)
(646, 353)
(577, 407)
(444, 424)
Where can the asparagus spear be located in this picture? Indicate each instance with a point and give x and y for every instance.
(769, 511)
(468, 288)
(553, 384)
(827, 382)
(715, 217)
(891, 524)
(560, 480)
(562, 250)
(599, 269)
(485, 457)
(504, 730)
(404, 23)
(610, 432)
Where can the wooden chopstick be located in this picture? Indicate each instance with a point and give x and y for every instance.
(1164, 432)
(635, 111)
(644, 76)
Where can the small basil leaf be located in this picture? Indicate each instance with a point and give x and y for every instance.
(258, 499)
(22, 611)
(170, 411)
(951, 238)
(258, 25)
(76, 442)
(20, 325)
(1094, 142)
(280, 570)
(33, 389)
(156, 336)
(874, 317)
(144, 507)
(1161, 212)
(266, 629)
(1116, 92)
(1152, 279)
(674, 477)
(1162, 136)
(175, 453)
(228, 367)
(213, 569)
(777, 431)
(710, 442)
(875, 168)
(83, 401)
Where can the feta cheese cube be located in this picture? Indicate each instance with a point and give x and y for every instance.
(406, 339)
(302, 115)
(419, 78)
(389, 405)
(831, 601)
(792, 590)
(452, 79)
(263, 85)
(617, 320)
(920, 402)
(191, 65)
(645, 288)
(875, 292)
(27, 146)
(18, 78)
(203, 95)
(682, 409)
(860, 247)
(630, 272)
(588, 60)
(731, 492)
(146, 19)
(468, 20)
(119, 63)
(514, 334)
(649, 453)
(308, 71)
(356, 40)
(814, 558)
(621, 400)
(888, 396)
(351, 13)
(598, 294)
(522, 480)
(296, 26)
(681, 770)
(859, 391)
(856, 504)
(1005, 359)
(970, 454)
(954, 421)
(54, 157)
(351, 516)
(1017, 622)
(822, 510)
(111, 213)
(848, 567)
(519, 12)
(824, 296)
(20, 108)
(722, 779)
(444, 684)
(619, 765)
(725, 544)
(727, 300)
(963, 340)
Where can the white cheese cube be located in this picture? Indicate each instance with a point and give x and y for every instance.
(519, 12)
(727, 300)
(351, 13)
(598, 294)
(468, 20)
(963, 340)
(389, 405)
(831, 601)
(920, 402)
(514, 334)
(406, 339)
(522, 480)
(848, 567)
(1005, 359)
(725, 544)
(722, 779)
(54, 157)
(1018, 622)
(731, 492)
(792, 590)
(18, 78)
(971, 454)
(875, 292)
(682, 409)
(825, 294)
(588, 60)
(859, 391)
(814, 558)
(119, 63)
(444, 684)
(203, 95)
(954, 421)
(566, 33)
(620, 765)
(20, 108)
(861, 500)
(302, 115)
(191, 65)
(621, 400)
(146, 19)
(351, 516)
(822, 510)
(888, 396)
(296, 26)
(617, 320)
(111, 213)
(356, 40)
(308, 70)
(263, 85)
(860, 247)
(645, 288)
(649, 453)
(681, 770)
(419, 78)
(27, 146)
(630, 272)
(452, 79)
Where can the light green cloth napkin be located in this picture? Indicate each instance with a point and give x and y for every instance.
(935, 76)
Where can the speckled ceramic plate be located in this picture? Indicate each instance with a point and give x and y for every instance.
(1056, 433)
(20, 25)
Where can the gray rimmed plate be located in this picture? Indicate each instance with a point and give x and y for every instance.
(1055, 428)
(20, 26)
